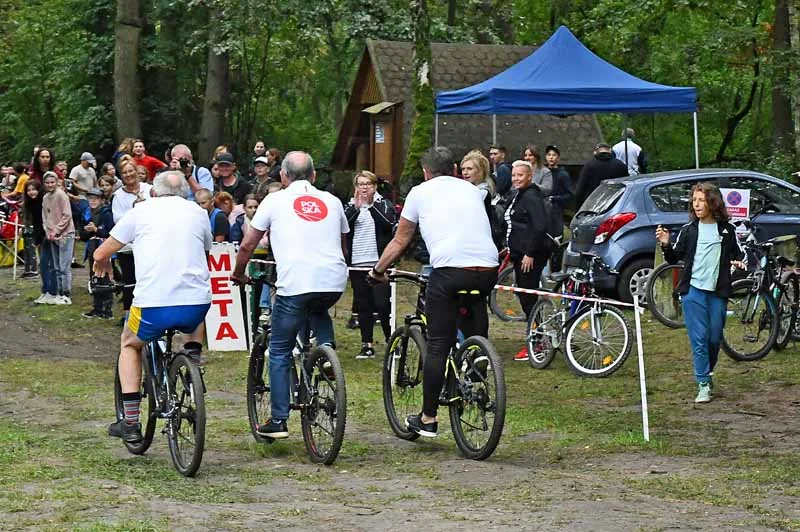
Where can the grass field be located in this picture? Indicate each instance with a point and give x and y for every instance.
(571, 456)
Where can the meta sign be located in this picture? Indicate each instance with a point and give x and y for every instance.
(225, 328)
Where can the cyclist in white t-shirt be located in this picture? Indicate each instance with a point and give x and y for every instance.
(307, 230)
(171, 238)
(453, 222)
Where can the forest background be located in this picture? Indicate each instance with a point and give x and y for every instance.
(81, 74)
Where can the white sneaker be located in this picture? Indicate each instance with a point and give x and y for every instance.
(39, 300)
(49, 299)
(61, 300)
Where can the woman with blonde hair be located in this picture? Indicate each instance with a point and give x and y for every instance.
(475, 169)
(371, 218)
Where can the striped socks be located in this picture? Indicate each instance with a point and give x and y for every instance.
(130, 405)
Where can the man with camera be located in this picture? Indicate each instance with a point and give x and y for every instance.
(196, 176)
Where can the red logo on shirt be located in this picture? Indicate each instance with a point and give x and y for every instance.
(310, 209)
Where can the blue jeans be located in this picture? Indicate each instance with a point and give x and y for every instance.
(289, 315)
(47, 270)
(62, 260)
(704, 313)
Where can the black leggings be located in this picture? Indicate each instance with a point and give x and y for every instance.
(441, 308)
(368, 300)
(128, 269)
(531, 279)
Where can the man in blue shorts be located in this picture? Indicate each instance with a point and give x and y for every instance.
(171, 239)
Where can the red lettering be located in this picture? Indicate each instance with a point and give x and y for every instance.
(223, 306)
(220, 285)
(226, 331)
(220, 263)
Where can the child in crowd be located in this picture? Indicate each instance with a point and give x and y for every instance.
(107, 183)
(34, 230)
(141, 171)
(94, 232)
(59, 232)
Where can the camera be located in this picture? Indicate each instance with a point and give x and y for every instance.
(68, 184)
(184, 163)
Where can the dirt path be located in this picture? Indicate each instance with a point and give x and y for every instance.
(366, 491)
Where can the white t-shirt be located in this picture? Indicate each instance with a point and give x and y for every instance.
(122, 201)
(452, 219)
(170, 239)
(633, 155)
(305, 229)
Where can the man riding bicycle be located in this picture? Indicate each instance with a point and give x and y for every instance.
(171, 239)
(307, 230)
(452, 219)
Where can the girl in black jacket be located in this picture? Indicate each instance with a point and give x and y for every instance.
(371, 218)
(709, 247)
(528, 242)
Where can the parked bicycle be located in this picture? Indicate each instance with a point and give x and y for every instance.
(317, 390)
(474, 388)
(595, 336)
(172, 389)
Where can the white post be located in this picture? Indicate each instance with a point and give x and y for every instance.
(435, 136)
(393, 307)
(696, 142)
(494, 129)
(642, 384)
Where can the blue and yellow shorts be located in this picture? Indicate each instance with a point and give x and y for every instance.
(150, 323)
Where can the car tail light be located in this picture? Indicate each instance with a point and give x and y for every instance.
(611, 226)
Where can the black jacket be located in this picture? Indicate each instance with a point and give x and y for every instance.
(599, 168)
(684, 249)
(528, 225)
(383, 214)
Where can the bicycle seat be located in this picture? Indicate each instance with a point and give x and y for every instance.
(783, 261)
(558, 277)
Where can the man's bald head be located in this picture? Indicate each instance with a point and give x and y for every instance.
(298, 166)
(171, 183)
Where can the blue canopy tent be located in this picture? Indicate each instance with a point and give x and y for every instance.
(563, 77)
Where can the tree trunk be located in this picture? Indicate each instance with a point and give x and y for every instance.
(793, 16)
(422, 129)
(782, 128)
(126, 63)
(212, 125)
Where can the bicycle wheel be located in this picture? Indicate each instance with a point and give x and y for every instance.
(402, 378)
(787, 311)
(325, 412)
(186, 427)
(545, 328)
(147, 408)
(598, 341)
(751, 325)
(504, 303)
(663, 299)
(258, 392)
(477, 394)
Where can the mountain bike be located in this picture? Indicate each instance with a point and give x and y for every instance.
(317, 391)
(595, 337)
(172, 389)
(474, 389)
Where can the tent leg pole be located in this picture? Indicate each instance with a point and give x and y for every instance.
(494, 129)
(696, 142)
(625, 134)
(436, 130)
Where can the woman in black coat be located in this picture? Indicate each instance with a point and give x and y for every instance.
(371, 218)
(528, 242)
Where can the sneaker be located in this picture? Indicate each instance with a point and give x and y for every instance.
(352, 323)
(522, 356)
(76, 264)
(415, 424)
(273, 429)
(91, 314)
(107, 316)
(366, 352)
(703, 394)
(41, 299)
(49, 299)
(62, 300)
(131, 433)
(29, 275)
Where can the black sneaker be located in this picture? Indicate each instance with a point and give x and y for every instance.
(105, 316)
(28, 275)
(273, 429)
(131, 433)
(366, 352)
(352, 323)
(91, 314)
(76, 264)
(415, 424)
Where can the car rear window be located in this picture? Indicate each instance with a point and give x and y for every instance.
(603, 198)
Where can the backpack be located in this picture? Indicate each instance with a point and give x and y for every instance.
(495, 211)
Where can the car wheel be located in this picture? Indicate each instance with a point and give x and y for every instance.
(633, 281)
